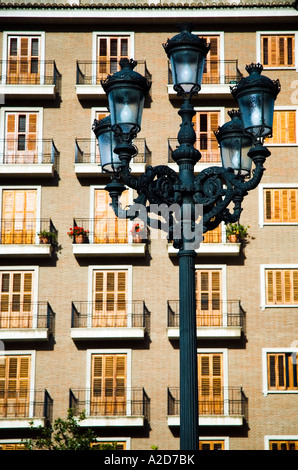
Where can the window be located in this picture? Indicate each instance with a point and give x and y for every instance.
(205, 123)
(107, 227)
(23, 60)
(214, 236)
(209, 297)
(282, 371)
(110, 298)
(210, 382)
(281, 286)
(110, 49)
(211, 445)
(284, 127)
(287, 444)
(211, 72)
(108, 384)
(278, 50)
(12, 446)
(18, 223)
(280, 205)
(16, 299)
(14, 386)
(21, 133)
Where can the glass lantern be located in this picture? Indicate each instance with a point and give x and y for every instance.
(107, 142)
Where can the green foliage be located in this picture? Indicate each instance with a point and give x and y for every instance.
(47, 234)
(64, 435)
(237, 229)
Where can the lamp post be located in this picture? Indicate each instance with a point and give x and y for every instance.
(214, 189)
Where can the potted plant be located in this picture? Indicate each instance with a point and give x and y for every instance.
(46, 236)
(78, 233)
(136, 232)
(236, 232)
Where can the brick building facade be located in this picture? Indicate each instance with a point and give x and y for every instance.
(95, 325)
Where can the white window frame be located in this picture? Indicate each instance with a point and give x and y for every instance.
(35, 270)
(89, 354)
(286, 108)
(277, 33)
(223, 268)
(263, 268)
(221, 35)
(279, 437)
(32, 354)
(261, 188)
(110, 267)
(95, 36)
(27, 109)
(265, 352)
(38, 202)
(217, 438)
(7, 34)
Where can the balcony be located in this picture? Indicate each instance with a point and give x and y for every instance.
(122, 407)
(28, 157)
(215, 244)
(90, 73)
(30, 79)
(26, 321)
(19, 238)
(108, 237)
(225, 406)
(218, 76)
(20, 407)
(109, 321)
(215, 319)
(87, 158)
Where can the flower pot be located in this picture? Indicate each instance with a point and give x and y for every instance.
(80, 238)
(137, 238)
(44, 240)
(233, 238)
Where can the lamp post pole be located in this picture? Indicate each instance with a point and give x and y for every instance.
(214, 190)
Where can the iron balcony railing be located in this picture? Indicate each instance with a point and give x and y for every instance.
(108, 230)
(224, 401)
(30, 72)
(208, 148)
(211, 313)
(99, 314)
(24, 403)
(26, 151)
(86, 151)
(217, 72)
(108, 401)
(90, 72)
(25, 231)
(26, 314)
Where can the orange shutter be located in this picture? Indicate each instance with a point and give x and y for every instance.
(284, 128)
(281, 205)
(21, 138)
(108, 384)
(278, 51)
(18, 216)
(205, 123)
(110, 51)
(110, 294)
(210, 380)
(208, 295)
(213, 236)
(281, 286)
(211, 71)
(23, 60)
(16, 299)
(107, 227)
(14, 386)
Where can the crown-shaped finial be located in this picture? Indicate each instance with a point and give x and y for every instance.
(254, 68)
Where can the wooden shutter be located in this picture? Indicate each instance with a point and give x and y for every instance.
(210, 382)
(23, 60)
(281, 205)
(14, 385)
(21, 138)
(282, 371)
(283, 445)
(211, 70)
(107, 227)
(281, 286)
(110, 50)
(284, 127)
(205, 123)
(277, 50)
(16, 299)
(18, 216)
(110, 298)
(213, 236)
(209, 298)
(211, 445)
(108, 389)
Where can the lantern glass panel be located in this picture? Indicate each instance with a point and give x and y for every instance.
(187, 68)
(234, 154)
(126, 107)
(109, 160)
(257, 112)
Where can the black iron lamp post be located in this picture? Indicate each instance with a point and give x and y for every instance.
(217, 191)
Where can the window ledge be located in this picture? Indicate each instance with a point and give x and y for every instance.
(90, 91)
(216, 332)
(21, 422)
(218, 420)
(107, 333)
(25, 250)
(24, 334)
(109, 249)
(34, 169)
(29, 91)
(91, 169)
(113, 421)
(218, 90)
(212, 249)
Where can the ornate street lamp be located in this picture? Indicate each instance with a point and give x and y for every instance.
(218, 191)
